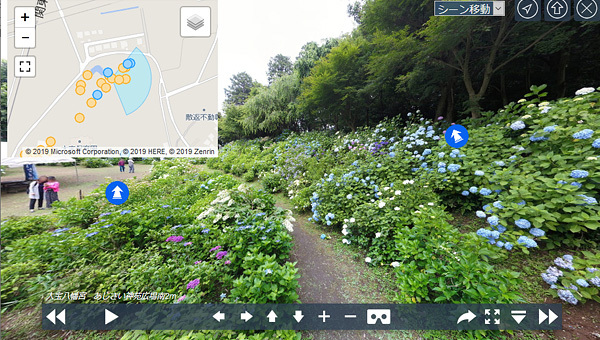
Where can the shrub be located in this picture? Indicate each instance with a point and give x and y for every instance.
(575, 279)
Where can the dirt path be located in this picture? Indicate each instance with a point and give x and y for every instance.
(333, 273)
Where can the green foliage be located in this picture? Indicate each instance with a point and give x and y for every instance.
(239, 90)
(15, 228)
(96, 163)
(273, 182)
(279, 66)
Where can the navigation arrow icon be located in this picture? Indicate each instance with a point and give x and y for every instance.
(246, 316)
(469, 316)
(298, 315)
(52, 316)
(456, 136)
(109, 316)
(62, 316)
(527, 8)
(272, 316)
(117, 193)
(219, 316)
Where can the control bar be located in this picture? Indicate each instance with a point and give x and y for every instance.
(301, 316)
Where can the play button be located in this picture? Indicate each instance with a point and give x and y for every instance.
(109, 316)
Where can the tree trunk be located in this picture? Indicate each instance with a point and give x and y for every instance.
(503, 89)
(561, 74)
(439, 111)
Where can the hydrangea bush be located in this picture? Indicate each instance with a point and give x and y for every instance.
(575, 279)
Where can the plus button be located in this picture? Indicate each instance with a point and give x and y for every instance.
(25, 17)
(324, 316)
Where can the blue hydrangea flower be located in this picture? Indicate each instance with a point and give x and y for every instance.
(493, 220)
(488, 209)
(576, 184)
(565, 264)
(583, 283)
(501, 228)
(479, 173)
(550, 128)
(508, 246)
(596, 143)
(483, 233)
(426, 152)
(500, 244)
(480, 214)
(485, 191)
(561, 182)
(498, 205)
(567, 296)
(441, 154)
(465, 193)
(521, 203)
(453, 167)
(473, 190)
(568, 257)
(595, 281)
(442, 170)
(549, 279)
(579, 174)
(583, 134)
(323, 236)
(392, 154)
(91, 234)
(588, 200)
(592, 270)
(523, 223)
(441, 165)
(527, 242)
(518, 125)
(499, 163)
(537, 232)
(535, 138)
(349, 196)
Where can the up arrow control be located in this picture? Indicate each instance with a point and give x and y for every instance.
(109, 316)
(246, 316)
(298, 315)
(272, 316)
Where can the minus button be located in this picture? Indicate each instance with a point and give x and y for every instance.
(350, 316)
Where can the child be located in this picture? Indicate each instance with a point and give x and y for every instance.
(36, 193)
(51, 189)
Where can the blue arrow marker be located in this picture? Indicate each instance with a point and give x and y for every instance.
(457, 136)
(117, 193)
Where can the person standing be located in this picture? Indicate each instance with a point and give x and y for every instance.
(36, 193)
(51, 189)
(122, 165)
(131, 170)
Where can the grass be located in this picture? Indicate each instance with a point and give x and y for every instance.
(72, 181)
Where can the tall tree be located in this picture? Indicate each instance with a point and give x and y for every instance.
(238, 92)
(279, 66)
(310, 54)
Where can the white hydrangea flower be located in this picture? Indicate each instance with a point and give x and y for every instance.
(397, 208)
(584, 91)
(377, 235)
(352, 220)
(430, 204)
(395, 264)
(368, 260)
(397, 192)
(381, 204)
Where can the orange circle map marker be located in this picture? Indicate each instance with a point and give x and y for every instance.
(41, 146)
(111, 79)
(79, 117)
(87, 74)
(126, 79)
(80, 83)
(80, 90)
(122, 68)
(119, 80)
(50, 141)
(100, 82)
(105, 87)
(91, 102)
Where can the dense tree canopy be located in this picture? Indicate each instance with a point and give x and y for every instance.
(279, 66)
(400, 58)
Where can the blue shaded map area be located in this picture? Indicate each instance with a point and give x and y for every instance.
(97, 69)
(134, 94)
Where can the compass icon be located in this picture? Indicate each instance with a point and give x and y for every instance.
(527, 10)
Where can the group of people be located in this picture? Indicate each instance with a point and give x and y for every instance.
(122, 165)
(45, 187)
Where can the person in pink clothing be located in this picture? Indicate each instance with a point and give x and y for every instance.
(51, 189)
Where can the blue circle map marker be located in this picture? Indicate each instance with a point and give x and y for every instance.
(128, 63)
(107, 72)
(117, 193)
(457, 136)
(97, 94)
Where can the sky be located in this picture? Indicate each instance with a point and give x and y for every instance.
(251, 32)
